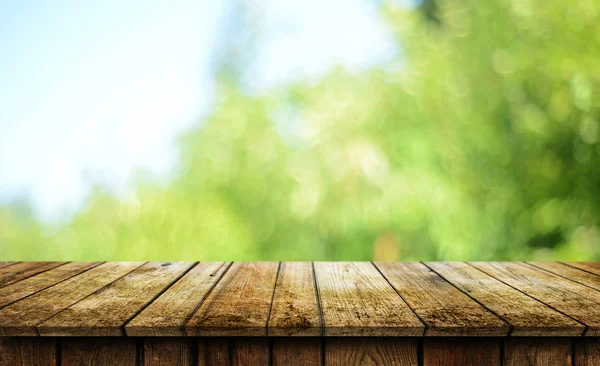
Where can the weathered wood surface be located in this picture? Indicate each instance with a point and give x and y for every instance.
(98, 351)
(538, 352)
(527, 316)
(295, 310)
(233, 352)
(371, 351)
(571, 273)
(104, 312)
(169, 351)
(592, 267)
(239, 304)
(31, 285)
(192, 351)
(461, 351)
(22, 317)
(304, 299)
(586, 351)
(446, 310)
(356, 300)
(168, 313)
(28, 351)
(297, 351)
(19, 271)
(569, 297)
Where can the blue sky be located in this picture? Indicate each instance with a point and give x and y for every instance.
(91, 91)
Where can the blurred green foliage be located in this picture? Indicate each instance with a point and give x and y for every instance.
(479, 142)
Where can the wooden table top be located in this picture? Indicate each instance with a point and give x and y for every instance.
(299, 299)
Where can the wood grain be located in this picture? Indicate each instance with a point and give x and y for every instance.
(239, 304)
(573, 299)
(538, 352)
(167, 315)
(213, 352)
(527, 316)
(586, 352)
(357, 301)
(6, 264)
(98, 351)
(446, 310)
(573, 274)
(592, 267)
(167, 351)
(27, 351)
(295, 309)
(297, 351)
(461, 351)
(370, 351)
(233, 352)
(19, 271)
(21, 317)
(105, 312)
(28, 286)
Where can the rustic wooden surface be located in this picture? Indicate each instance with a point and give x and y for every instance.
(239, 304)
(530, 318)
(104, 312)
(169, 351)
(295, 310)
(28, 351)
(573, 299)
(356, 300)
(21, 318)
(167, 315)
(371, 351)
(446, 310)
(19, 271)
(98, 351)
(461, 351)
(296, 351)
(571, 273)
(33, 284)
(300, 299)
(538, 352)
(192, 351)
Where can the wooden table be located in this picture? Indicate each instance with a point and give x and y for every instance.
(299, 313)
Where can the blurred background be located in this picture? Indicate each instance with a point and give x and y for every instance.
(313, 130)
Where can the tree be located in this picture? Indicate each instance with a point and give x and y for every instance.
(482, 145)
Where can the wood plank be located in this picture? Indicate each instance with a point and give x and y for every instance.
(592, 267)
(21, 317)
(105, 312)
(370, 351)
(233, 352)
(28, 286)
(213, 352)
(27, 351)
(297, 351)
(461, 351)
(573, 274)
(575, 300)
(538, 352)
(6, 264)
(19, 271)
(98, 351)
(167, 351)
(586, 352)
(239, 304)
(166, 316)
(357, 301)
(527, 316)
(295, 310)
(446, 310)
